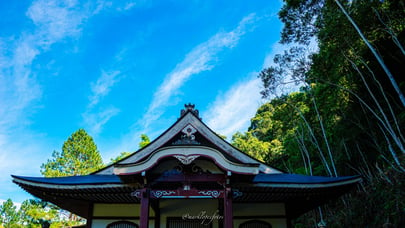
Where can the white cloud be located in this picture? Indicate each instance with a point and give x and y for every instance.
(118, 6)
(20, 90)
(201, 58)
(54, 21)
(96, 120)
(93, 118)
(232, 111)
(127, 6)
(20, 154)
(103, 86)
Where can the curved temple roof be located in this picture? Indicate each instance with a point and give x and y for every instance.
(300, 193)
(188, 140)
(282, 180)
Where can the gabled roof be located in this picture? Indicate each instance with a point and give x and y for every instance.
(188, 140)
(204, 136)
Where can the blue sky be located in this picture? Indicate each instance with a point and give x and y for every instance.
(122, 68)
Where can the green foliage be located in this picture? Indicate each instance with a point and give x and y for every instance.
(144, 141)
(33, 213)
(120, 157)
(8, 214)
(347, 117)
(79, 156)
(251, 145)
(37, 213)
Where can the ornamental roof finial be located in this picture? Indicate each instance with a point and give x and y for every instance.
(189, 108)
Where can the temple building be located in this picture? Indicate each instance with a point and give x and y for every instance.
(188, 177)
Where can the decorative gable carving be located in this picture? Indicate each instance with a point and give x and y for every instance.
(188, 138)
(186, 160)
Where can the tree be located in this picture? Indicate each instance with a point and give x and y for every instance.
(38, 213)
(375, 53)
(33, 213)
(352, 124)
(79, 156)
(8, 214)
(261, 150)
(120, 157)
(144, 141)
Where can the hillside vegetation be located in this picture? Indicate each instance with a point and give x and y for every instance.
(349, 116)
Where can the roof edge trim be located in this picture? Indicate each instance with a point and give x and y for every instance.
(190, 152)
(310, 185)
(24, 183)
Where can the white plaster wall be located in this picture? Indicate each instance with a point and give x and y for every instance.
(187, 208)
(117, 210)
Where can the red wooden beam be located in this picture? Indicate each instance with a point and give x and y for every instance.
(228, 210)
(144, 216)
(220, 178)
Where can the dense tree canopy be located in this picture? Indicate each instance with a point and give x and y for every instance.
(79, 156)
(33, 213)
(348, 118)
(8, 214)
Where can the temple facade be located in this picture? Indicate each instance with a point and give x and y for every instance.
(188, 177)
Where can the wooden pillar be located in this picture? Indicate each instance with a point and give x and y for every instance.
(228, 211)
(155, 206)
(89, 220)
(144, 217)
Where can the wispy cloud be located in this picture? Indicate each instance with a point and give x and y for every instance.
(103, 86)
(20, 88)
(53, 21)
(127, 6)
(56, 20)
(232, 111)
(118, 6)
(95, 117)
(20, 154)
(202, 58)
(96, 120)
